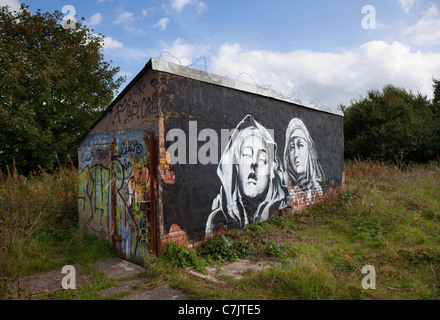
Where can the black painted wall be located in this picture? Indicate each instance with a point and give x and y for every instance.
(188, 202)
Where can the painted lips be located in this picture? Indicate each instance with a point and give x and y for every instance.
(252, 178)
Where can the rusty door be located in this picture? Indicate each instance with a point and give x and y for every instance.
(133, 195)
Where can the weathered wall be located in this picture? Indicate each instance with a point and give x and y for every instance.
(199, 198)
(114, 169)
(224, 157)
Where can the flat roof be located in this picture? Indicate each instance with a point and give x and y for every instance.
(177, 69)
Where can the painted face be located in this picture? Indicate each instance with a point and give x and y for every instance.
(299, 151)
(253, 167)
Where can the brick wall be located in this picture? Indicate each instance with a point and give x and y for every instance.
(165, 170)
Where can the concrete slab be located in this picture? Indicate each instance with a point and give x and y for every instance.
(46, 282)
(238, 268)
(119, 268)
(158, 293)
(128, 285)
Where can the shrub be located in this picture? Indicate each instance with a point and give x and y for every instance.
(392, 125)
(181, 256)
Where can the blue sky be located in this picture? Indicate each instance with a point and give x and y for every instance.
(312, 50)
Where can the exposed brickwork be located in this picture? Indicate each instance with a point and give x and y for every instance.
(301, 200)
(177, 235)
(166, 172)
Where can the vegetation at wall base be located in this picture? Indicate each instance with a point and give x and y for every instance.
(39, 226)
(389, 217)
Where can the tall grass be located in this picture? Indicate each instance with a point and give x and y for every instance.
(40, 208)
(389, 217)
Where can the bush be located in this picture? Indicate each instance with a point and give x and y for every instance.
(225, 248)
(392, 125)
(181, 256)
(42, 207)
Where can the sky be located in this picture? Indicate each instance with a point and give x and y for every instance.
(326, 52)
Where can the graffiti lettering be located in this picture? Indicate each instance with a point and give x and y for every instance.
(136, 106)
(101, 154)
(87, 157)
(131, 171)
(93, 198)
(131, 146)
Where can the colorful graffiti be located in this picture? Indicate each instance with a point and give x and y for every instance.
(114, 193)
(132, 182)
(93, 198)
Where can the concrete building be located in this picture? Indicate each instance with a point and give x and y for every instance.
(181, 154)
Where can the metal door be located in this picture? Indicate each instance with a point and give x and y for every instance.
(133, 195)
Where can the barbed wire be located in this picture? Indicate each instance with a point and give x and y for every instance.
(267, 88)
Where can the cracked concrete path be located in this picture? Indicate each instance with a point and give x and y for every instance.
(129, 280)
(51, 282)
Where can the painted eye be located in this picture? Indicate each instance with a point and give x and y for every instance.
(247, 153)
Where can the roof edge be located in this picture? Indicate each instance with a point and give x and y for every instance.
(180, 70)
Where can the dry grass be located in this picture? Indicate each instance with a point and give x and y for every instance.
(33, 210)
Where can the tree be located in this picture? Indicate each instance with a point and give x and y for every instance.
(54, 84)
(436, 114)
(436, 98)
(390, 125)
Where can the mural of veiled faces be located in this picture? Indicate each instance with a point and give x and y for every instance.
(251, 178)
(302, 168)
(298, 151)
(253, 165)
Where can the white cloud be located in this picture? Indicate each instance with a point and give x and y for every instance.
(14, 5)
(406, 4)
(179, 5)
(330, 78)
(95, 19)
(427, 30)
(183, 53)
(110, 43)
(125, 17)
(162, 24)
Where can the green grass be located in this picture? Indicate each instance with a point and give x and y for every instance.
(388, 218)
(38, 227)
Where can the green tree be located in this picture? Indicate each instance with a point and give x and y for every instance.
(392, 125)
(436, 98)
(54, 84)
(436, 114)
